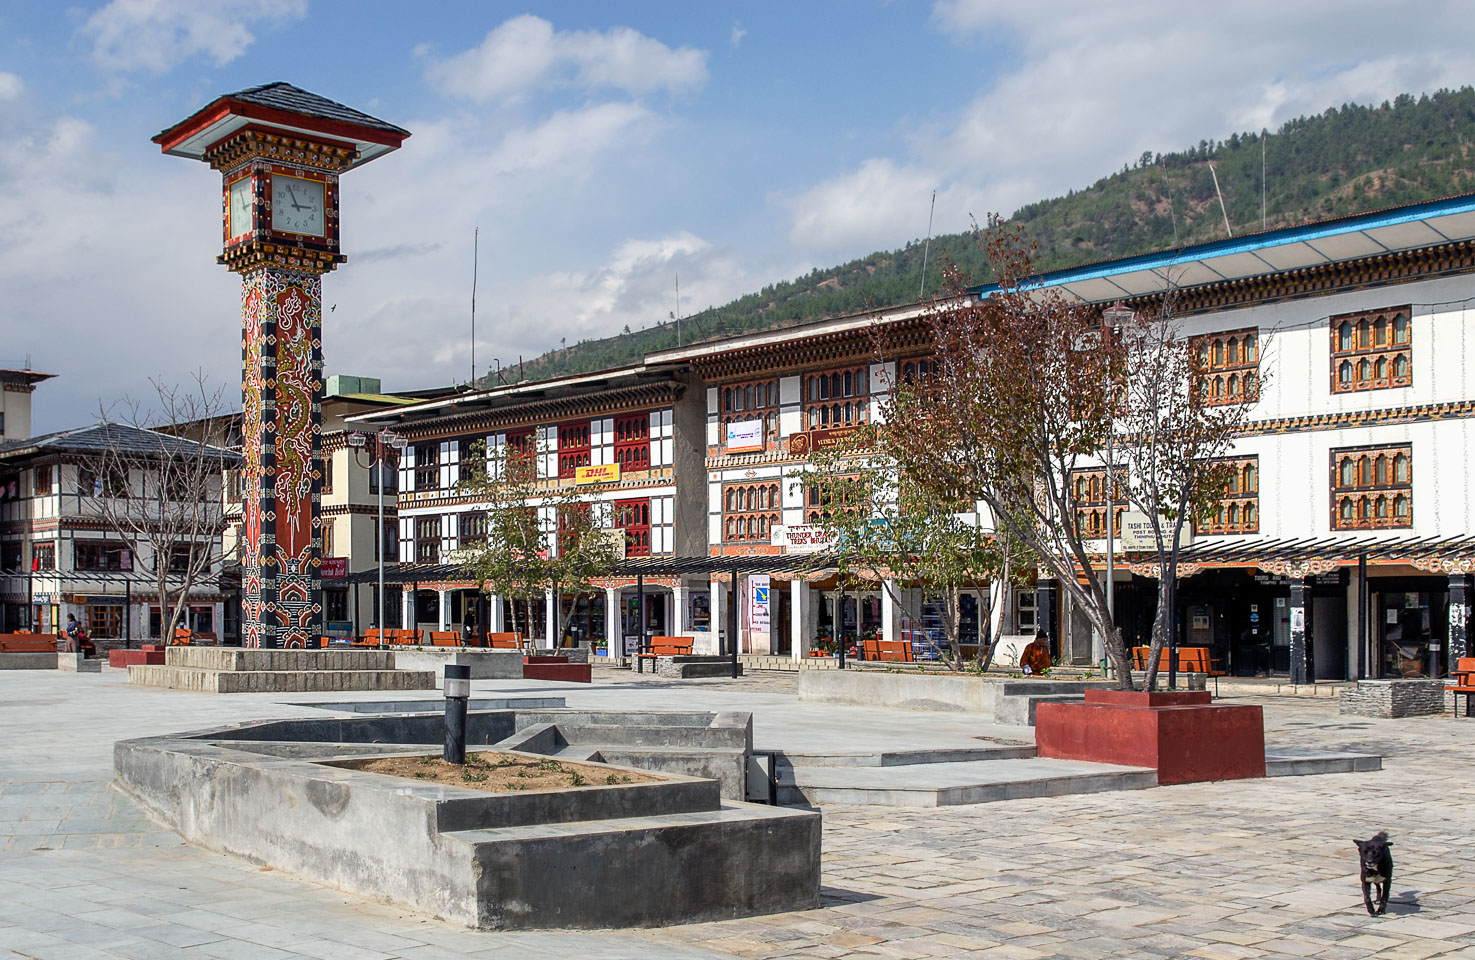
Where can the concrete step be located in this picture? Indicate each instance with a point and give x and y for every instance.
(1281, 762)
(948, 784)
(789, 759)
(277, 681)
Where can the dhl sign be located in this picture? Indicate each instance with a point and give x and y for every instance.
(604, 473)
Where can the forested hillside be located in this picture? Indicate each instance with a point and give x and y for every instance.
(1347, 160)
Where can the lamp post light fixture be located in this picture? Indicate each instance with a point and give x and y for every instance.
(380, 463)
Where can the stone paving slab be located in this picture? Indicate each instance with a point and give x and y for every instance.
(1252, 869)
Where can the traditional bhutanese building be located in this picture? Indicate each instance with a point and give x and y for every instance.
(1344, 546)
(627, 442)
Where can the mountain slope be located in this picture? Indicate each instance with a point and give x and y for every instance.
(1347, 160)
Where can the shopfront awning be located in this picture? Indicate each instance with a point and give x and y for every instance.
(719, 567)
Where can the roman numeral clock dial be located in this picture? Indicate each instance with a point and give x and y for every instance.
(297, 206)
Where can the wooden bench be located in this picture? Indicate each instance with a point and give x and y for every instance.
(182, 636)
(662, 647)
(1190, 660)
(1463, 676)
(26, 643)
(445, 638)
(895, 651)
(504, 641)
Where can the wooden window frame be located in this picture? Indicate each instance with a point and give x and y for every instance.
(750, 510)
(1236, 503)
(825, 409)
(427, 475)
(471, 527)
(100, 555)
(1228, 366)
(1091, 507)
(1367, 351)
(41, 481)
(816, 510)
(1375, 500)
(633, 517)
(632, 441)
(740, 401)
(427, 539)
(43, 551)
(574, 450)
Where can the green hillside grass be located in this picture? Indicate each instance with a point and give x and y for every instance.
(1347, 160)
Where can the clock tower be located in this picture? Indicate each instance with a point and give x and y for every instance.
(280, 151)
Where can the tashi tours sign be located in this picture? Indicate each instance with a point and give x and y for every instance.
(603, 473)
(745, 436)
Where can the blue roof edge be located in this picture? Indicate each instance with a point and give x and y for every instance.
(1445, 206)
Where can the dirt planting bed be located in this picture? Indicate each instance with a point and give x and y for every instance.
(497, 772)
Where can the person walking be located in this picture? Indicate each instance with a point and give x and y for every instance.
(71, 635)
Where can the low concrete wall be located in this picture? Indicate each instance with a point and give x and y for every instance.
(1005, 700)
(1391, 699)
(484, 664)
(28, 661)
(77, 663)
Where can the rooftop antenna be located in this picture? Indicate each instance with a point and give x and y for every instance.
(475, 262)
(678, 308)
(928, 247)
(1221, 199)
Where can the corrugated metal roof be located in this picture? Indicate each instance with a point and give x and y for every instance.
(101, 437)
(284, 96)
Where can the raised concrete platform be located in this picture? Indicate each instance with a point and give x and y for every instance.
(1006, 700)
(77, 663)
(237, 670)
(27, 661)
(484, 664)
(601, 855)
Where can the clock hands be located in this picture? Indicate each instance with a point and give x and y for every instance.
(293, 194)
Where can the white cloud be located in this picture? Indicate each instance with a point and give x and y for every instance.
(526, 52)
(1092, 85)
(10, 87)
(567, 137)
(738, 32)
(157, 35)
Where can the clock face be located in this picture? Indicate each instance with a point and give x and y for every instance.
(241, 198)
(297, 206)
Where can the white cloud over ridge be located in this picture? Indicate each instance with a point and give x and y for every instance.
(157, 35)
(1091, 86)
(10, 87)
(525, 53)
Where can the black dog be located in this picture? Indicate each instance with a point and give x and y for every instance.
(1377, 871)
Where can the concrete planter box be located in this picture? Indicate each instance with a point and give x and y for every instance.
(484, 664)
(1392, 699)
(1006, 700)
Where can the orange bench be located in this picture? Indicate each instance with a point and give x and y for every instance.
(1463, 676)
(504, 641)
(1190, 660)
(662, 647)
(182, 636)
(896, 651)
(26, 643)
(445, 638)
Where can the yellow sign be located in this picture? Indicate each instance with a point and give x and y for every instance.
(604, 473)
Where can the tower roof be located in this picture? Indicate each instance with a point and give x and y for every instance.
(284, 107)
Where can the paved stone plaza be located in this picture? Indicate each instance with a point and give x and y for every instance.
(1249, 869)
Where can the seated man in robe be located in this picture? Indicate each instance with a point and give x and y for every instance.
(1035, 660)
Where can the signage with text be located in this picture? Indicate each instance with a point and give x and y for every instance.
(744, 436)
(758, 586)
(801, 538)
(334, 568)
(603, 473)
(801, 444)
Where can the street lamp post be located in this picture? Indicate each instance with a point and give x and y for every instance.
(378, 461)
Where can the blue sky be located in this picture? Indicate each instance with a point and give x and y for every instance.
(602, 148)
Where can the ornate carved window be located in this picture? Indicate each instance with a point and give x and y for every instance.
(1238, 508)
(573, 447)
(838, 494)
(1228, 366)
(1372, 488)
(1090, 495)
(749, 401)
(471, 527)
(1373, 350)
(837, 398)
(427, 538)
(427, 466)
(632, 442)
(750, 511)
(633, 517)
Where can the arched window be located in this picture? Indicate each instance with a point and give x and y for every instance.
(1364, 334)
(835, 415)
(1218, 354)
(1231, 350)
(1249, 517)
(1219, 516)
(1380, 508)
(1080, 489)
(1215, 387)
(908, 372)
(1380, 331)
(824, 416)
(1349, 472)
(847, 411)
(1344, 372)
(1380, 469)
(1400, 468)
(1234, 481)
(1250, 343)
(1346, 510)
(1380, 369)
(1233, 515)
(849, 385)
(729, 528)
(1364, 370)
(1233, 384)
(1400, 507)
(1364, 470)
(1344, 336)
(727, 399)
(1400, 367)
(1400, 328)
(1251, 479)
(835, 385)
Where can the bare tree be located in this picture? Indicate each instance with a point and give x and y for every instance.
(1031, 389)
(156, 481)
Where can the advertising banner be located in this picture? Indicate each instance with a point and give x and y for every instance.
(604, 473)
(801, 538)
(745, 436)
(758, 586)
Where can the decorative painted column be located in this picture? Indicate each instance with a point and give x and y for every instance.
(280, 151)
(1459, 618)
(1298, 631)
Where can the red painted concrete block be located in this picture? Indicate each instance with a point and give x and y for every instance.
(1185, 737)
(568, 672)
(125, 658)
(547, 658)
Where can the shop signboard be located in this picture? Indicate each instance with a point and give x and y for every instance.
(1137, 537)
(801, 538)
(801, 444)
(602, 473)
(334, 568)
(745, 436)
(758, 587)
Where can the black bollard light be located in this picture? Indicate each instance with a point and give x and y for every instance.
(457, 690)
